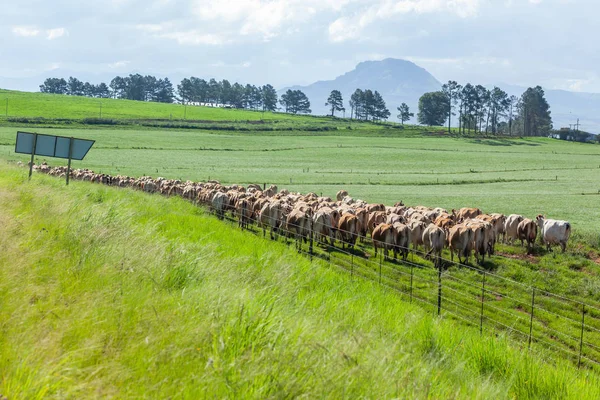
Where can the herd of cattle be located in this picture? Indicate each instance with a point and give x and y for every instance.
(395, 229)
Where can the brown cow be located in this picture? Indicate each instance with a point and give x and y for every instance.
(348, 230)
(460, 240)
(434, 239)
(527, 231)
(384, 238)
(402, 240)
(466, 213)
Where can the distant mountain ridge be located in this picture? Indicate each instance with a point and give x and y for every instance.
(400, 81)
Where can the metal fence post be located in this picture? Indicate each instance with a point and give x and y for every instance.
(310, 248)
(581, 338)
(411, 281)
(482, 299)
(380, 261)
(439, 308)
(352, 265)
(531, 320)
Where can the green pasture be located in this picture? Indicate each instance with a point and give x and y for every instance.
(525, 176)
(15, 104)
(109, 293)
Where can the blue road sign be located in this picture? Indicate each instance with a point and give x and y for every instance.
(52, 146)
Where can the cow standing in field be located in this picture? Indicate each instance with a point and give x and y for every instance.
(511, 228)
(271, 215)
(527, 232)
(402, 240)
(299, 224)
(341, 194)
(460, 240)
(554, 232)
(324, 224)
(219, 203)
(384, 238)
(348, 230)
(466, 213)
(434, 239)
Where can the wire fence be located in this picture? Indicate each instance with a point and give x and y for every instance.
(561, 327)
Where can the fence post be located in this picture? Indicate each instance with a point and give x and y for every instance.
(411, 281)
(439, 307)
(310, 248)
(352, 265)
(531, 320)
(581, 338)
(482, 299)
(380, 261)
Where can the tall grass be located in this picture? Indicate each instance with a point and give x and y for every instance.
(108, 293)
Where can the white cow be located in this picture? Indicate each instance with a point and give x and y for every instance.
(554, 232)
(510, 227)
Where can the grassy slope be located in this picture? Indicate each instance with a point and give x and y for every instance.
(26, 104)
(113, 293)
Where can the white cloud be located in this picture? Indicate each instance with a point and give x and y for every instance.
(25, 31)
(55, 33)
(118, 64)
(193, 37)
(264, 18)
(577, 85)
(345, 28)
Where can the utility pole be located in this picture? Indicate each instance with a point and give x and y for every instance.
(577, 126)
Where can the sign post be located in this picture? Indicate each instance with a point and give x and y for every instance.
(32, 154)
(52, 146)
(70, 157)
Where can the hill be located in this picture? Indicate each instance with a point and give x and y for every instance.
(177, 304)
(398, 81)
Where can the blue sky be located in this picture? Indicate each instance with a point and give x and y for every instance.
(553, 43)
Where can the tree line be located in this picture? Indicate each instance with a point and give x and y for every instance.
(478, 109)
(490, 111)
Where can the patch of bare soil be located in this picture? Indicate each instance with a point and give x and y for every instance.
(523, 257)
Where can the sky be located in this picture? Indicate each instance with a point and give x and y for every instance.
(553, 43)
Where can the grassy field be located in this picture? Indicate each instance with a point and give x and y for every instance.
(108, 293)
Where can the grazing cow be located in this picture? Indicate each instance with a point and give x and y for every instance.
(363, 222)
(324, 225)
(376, 218)
(271, 215)
(384, 238)
(348, 230)
(402, 240)
(298, 223)
(510, 228)
(460, 240)
(416, 232)
(466, 213)
(527, 231)
(393, 218)
(341, 194)
(434, 239)
(482, 238)
(444, 222)
(219, 203)
(554, 232)
(244, 210)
